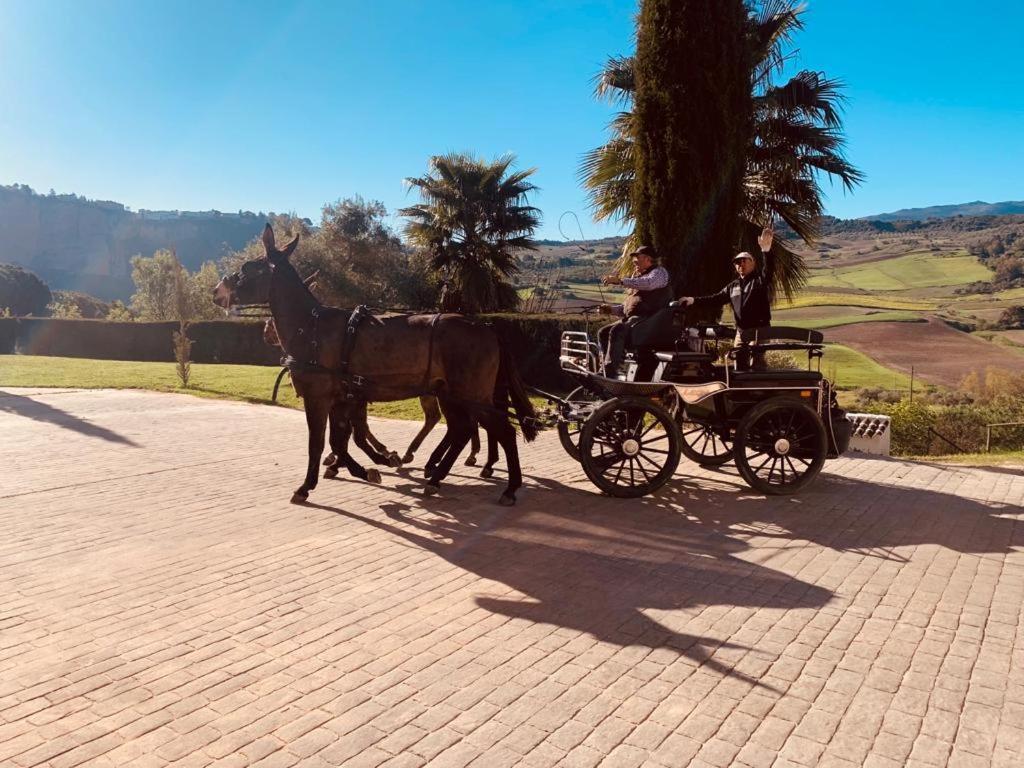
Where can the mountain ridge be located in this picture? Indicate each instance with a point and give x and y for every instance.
(975, 208)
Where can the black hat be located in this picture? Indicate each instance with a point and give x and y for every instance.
(645, 250)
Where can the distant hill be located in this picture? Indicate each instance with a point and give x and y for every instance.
(977, 208)
(86, 245)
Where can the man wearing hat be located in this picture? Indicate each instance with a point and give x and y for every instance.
(749, 296)
(647, 291)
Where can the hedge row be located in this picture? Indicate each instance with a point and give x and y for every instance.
(219, 341)
(534, 341)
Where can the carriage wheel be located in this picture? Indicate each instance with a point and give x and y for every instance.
(702, 444)
(780, 446)
(629, 447)
(569, 431)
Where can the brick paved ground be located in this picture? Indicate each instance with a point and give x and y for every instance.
(162, 602)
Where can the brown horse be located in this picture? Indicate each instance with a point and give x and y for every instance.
(459, 361)
(373, 447)
(431, 418)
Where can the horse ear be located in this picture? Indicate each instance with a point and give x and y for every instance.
(268, 239)
(290, 248)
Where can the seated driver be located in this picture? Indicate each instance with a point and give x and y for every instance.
(648, 290)
(749, 296)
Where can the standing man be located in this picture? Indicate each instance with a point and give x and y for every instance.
(648, 291)
(749, 296)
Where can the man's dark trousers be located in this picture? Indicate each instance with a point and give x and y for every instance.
(612, 340)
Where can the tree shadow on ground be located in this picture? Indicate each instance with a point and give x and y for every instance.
(637, 571)
(630, 577)
(849, 514)
(19, 405)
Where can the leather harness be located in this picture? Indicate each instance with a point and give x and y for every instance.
(352, 383)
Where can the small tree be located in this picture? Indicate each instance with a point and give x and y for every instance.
(182, 343)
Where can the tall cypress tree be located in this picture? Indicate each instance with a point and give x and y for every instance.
(694, 124)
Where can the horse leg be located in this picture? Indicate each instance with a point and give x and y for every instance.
(460, 425)
(431, 415)
(365, 440)
(339, 443)
(371, 446)
(331, 460)
(317, 411)
(499, 427)
(492, 455)
(474, 447)
(438, 453)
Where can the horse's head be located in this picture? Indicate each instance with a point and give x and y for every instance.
(251, 283)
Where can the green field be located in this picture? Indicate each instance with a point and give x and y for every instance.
(814, 299)
(915, 270)
(834, 320)
(850, 369)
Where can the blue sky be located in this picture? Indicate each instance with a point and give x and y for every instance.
(284, 106)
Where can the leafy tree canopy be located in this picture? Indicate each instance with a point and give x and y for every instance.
(155, 298)
(22, 292)
(473, 219)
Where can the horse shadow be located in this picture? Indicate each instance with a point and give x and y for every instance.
(19, 405)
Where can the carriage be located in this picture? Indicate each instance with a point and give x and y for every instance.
(778, 426)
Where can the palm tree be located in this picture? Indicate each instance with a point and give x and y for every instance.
(797, 138)
(473, 218)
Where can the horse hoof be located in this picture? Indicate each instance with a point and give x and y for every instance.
(507, 500)
(372, 476)
(394, 460)
(407, 459)
(329, 460)
(430, 489)
(486, 472)
(471, 461)
(330, 472)
(300, 496)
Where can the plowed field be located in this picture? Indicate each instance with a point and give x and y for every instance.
(938, 353)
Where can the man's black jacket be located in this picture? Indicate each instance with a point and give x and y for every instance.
(749, 296)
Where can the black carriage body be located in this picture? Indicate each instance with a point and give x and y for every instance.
(716, 414)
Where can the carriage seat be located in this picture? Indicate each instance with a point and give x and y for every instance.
(685, 356)
(775, 377)
(782, 333)
(692, 395)
(655, 332)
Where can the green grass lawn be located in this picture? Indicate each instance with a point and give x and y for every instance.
(915, 270)
(251, 383)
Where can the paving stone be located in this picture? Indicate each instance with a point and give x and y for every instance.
(169, 603)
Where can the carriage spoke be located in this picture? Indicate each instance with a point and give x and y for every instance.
(796, 472)
(640, 466)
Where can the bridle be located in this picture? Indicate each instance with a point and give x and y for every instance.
(260, 310)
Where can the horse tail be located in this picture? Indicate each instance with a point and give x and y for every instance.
(511, 387)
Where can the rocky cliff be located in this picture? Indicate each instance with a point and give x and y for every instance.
(87, 245)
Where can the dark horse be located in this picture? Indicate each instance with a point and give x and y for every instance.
(459, 361)
(378, 452)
